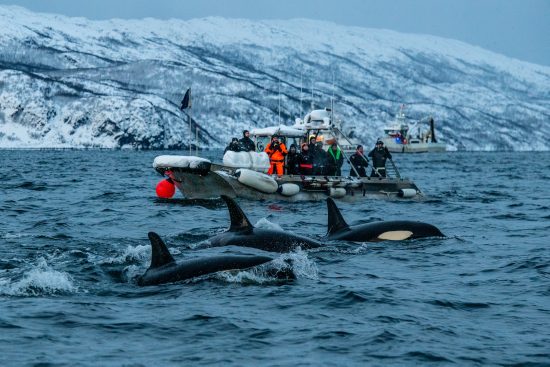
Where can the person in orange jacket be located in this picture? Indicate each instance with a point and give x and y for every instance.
(276, 152)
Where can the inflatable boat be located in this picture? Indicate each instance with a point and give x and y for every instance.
(244, 175)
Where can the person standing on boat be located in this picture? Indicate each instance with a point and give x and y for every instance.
(234, 146)
(320, 159)
(312, 142)
(292, 161)
(276, 152)
(379, 155)
(335, 160)
(305, 161)
(247, 144)
(360, 162)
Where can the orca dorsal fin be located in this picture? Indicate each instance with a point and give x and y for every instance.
(159, 252)
(336, 222)
(239, 221)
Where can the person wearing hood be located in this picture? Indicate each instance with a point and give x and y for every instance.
(335, 160)
(292, 161)
(305, 161)
(320, 159)
(276, 151)
(379, 155)
(247, 144)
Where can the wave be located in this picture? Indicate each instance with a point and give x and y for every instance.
(39, 281)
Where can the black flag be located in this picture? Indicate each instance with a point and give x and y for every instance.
(186, 102)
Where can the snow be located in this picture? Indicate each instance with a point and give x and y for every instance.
(278, 130)
(73, 82)
(178, 161)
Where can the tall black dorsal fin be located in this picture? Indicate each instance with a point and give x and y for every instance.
(159, 252)
(335, 220)
(239, 221)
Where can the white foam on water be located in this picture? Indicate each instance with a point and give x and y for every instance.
(266, 224)
(40, 280)
(131, 253)
(298, 262)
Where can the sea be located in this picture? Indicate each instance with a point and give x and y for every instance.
(73, 240)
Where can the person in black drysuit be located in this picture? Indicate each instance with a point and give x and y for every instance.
(234, 146)
(247, 145)
(335, 160)
(305, 161)
(292, 161)
(320, 160)
(379, 155)
(360, 162)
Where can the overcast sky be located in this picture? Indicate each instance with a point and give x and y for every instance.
(516, 28)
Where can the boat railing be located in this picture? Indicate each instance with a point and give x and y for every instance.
(392, 170)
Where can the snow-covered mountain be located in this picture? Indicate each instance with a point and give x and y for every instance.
(72, 82)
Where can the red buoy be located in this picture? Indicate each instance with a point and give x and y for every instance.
(166, 189)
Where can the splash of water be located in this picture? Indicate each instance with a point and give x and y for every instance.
(40, 280)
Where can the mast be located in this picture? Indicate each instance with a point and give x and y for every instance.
(301, 106)
(312, 105)
(279, 98)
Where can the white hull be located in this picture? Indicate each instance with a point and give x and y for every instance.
(414, 147)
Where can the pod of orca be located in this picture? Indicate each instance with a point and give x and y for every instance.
(164, 269)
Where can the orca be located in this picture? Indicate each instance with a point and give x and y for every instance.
(164, 269)
(395, 230)
(242, 233)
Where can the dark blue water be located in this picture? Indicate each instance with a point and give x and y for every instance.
(73, 238)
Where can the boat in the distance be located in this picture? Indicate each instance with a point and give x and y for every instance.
(418, 137)
(244, 174)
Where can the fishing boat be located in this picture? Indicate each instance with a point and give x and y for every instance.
(404, 137)
(244, 174)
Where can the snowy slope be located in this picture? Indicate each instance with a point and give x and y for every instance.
(72, 82)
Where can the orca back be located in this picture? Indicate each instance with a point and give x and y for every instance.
(159, 252)
(336, 222)
(239, 221)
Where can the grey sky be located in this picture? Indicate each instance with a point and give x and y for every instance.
(516, 28)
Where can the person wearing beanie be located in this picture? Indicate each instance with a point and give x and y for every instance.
(359, 162)
(247, 145)
(379, 155)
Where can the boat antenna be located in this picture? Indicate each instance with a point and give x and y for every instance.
(312, 104)
(332, 102)
(301, 106)
(279, 101)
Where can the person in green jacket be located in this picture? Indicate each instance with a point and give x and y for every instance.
(335, 160)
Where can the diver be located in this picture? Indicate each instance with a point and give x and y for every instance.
(247, 145)
(234, 146)
(276, 152)
(359, 162)
(292, 161)
(379, 155)
(335, 160)
(305, 161)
